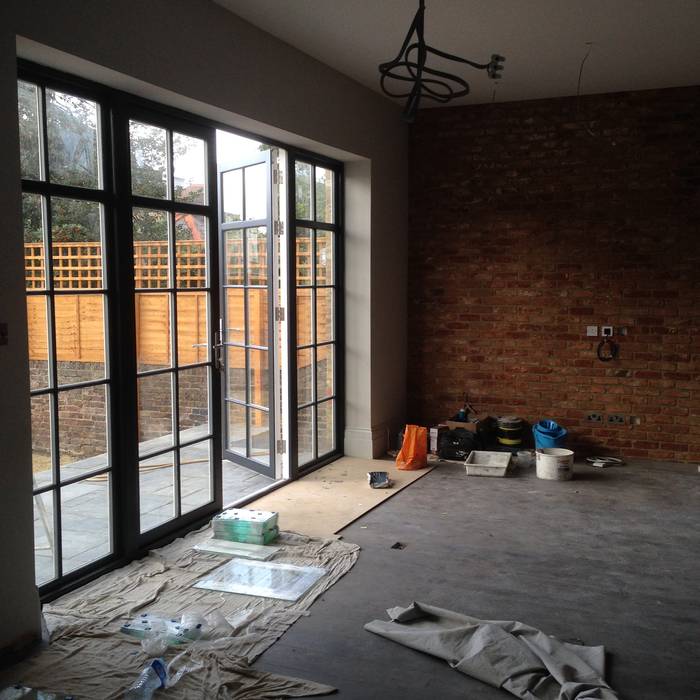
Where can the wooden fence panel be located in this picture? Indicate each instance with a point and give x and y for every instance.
(80, 317)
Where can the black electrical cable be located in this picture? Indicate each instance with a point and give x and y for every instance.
(613, 350)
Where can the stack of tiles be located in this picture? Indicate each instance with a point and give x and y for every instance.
(250, 526)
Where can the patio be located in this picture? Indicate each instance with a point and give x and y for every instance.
(85, 506)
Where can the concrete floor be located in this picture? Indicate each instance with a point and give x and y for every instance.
(610, 558)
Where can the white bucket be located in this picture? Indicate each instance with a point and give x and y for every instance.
(555, 463)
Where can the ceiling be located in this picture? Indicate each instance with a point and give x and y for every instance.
(637, 44)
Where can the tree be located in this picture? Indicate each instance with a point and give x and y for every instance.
(72, 130)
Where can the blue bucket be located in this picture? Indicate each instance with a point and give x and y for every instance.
(548, 433)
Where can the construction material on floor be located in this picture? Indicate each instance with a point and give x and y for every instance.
(456, 444)
(604, 461)
(554, 463)
(484, 463)
(378, 480)
(263, 579)
(505, 654)
(548, 433)
(20, 692)
(246, 525)
(524, 459)
(242, 550)
(174, 631)
(414, 448)
(84, 625)
(509, 431)
(322, 503)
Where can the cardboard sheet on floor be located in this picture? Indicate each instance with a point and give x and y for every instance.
(503, 653)
(266, 579)
(84, 626)
(324, 502)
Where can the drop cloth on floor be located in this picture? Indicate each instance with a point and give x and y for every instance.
(89, 657)
(506, 654)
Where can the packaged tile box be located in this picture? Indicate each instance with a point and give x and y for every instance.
(242, 525)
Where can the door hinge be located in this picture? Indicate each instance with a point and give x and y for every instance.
(281, 447)
(279, 313)
(277, 228)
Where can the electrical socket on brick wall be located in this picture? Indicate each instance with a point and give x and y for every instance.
(595, 417)
(616, 418)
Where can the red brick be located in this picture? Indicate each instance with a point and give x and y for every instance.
(524, 229)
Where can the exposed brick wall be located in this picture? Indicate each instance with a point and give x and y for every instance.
(82, 412)
(530, 221)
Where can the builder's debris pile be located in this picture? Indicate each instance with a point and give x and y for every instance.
(491, 446)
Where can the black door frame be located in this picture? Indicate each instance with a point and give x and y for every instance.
(123, 111)
(294, 156)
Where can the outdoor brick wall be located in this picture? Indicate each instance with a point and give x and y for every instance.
(530, 221)
(82, 413)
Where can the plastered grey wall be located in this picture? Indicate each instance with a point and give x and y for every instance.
(194, 53)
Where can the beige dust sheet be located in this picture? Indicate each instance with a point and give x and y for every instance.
(329, 499)
(89, 657)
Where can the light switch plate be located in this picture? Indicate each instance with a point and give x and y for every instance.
(592, 331)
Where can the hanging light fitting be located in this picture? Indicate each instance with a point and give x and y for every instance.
(409, 67)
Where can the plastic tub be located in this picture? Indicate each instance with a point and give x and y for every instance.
(555, 463)
(548, 433)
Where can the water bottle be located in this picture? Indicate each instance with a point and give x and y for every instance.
(151, 678)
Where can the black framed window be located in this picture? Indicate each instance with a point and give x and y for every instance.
(170, 205)
(67, 220)
(317, 294)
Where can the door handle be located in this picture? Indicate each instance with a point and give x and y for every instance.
(218, 351)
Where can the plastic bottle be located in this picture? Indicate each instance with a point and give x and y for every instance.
(151, 678)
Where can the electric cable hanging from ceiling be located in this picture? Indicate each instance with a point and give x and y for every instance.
(409, 66)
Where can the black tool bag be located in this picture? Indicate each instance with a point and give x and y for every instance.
(457, 444)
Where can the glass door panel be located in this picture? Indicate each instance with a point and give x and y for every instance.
(247, 314)
(316, 328)
(119, 202)
(171, 215)
(67, 211)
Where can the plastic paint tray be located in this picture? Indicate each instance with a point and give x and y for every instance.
(483, 463)
(242, 550)
(262, 578)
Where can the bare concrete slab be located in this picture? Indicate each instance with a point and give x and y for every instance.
(609, 558)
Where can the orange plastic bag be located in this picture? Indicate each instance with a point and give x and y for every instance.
(414, 451)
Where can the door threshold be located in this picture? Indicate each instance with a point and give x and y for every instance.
(257, 494)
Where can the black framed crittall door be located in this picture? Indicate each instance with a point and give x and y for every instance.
(315, 282)
(121, 268)
(178, 313)
(247, 353)
(167, 219)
